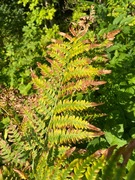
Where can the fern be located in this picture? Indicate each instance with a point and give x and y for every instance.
(53, 121)
(15, 152)
(5, 150)
(93, 171)
(68, 121)
(103, 164)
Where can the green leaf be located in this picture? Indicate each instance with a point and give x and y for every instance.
(24, 89)
(132, 132)
(113, 140)
(132, 80)
(131, 174)
(127, 20)
(130, 90)
(118, 19)
(118, 130)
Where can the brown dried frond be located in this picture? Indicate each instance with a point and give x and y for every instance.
(72, 29)
(111, 35)
(66, 35)
(92, 14)
(104, 71)
(80, 28)
(12, 101)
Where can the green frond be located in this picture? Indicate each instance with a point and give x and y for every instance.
(79, 72)
(68, 49)
(47, 98)
(70, 105)
(38, 83)
(87, 167)
(45, 70)
(66, 172)
(50, 164)
(90, 167)
(61, 169)
(18, 145)
(34, 127)
(41, 168)
(80, 168)
(52, 122)
(79, 62)
(119, 173)
(14, 153)
(108, 171)
(93, 170)
(5, 151)
(13, 134)
(77, 48)
(58, 51)
(112, 170)
(45, 173)
(47, 85)
(67, 121)
(64, 136)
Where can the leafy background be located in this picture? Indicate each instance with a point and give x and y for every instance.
(28, 27)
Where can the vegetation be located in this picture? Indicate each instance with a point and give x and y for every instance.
(67, 89)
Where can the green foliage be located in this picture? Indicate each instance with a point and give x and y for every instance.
(10, 34)
(21, 41)
(118, 94)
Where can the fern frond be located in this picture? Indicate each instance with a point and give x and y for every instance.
(87, 168)
(68, 122)
(38, 83)
(80, 168)
(79, 85)
(58, 51)
(13, 134)
(65, 136)
(77, 73)
(18, 145)
(79, 62)
(35, 128)
(5, 151)
(41, 167)
(45, 70)
(119, 173)
(90, 167)
(70, 105)
(93, 170)
(46, 100)
(78, 48)
(14, 153)
(52, 170)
